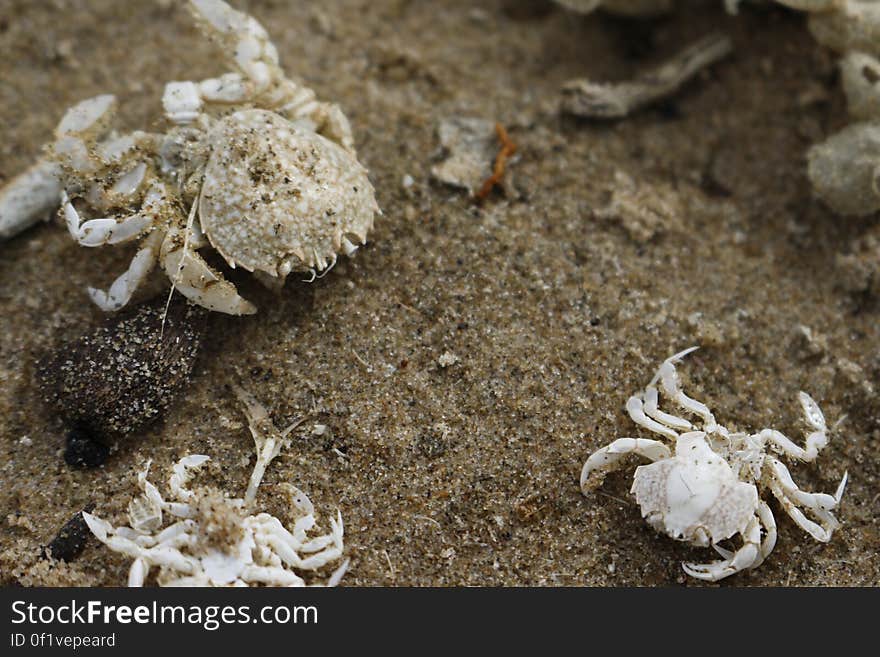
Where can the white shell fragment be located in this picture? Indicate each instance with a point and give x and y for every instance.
(203, 537)
(278, 198)
(708, 491)
(268, 440)
(470, 145)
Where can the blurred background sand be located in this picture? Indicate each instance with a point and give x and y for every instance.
(548, 313)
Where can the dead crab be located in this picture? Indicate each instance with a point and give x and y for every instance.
(268, 174)
(708, 491)
(211, 541)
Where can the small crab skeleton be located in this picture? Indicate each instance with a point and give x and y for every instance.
(708, 491)
(211, 541)
(252, 163)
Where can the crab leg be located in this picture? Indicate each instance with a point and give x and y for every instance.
(637, 411)
(179, 534)
(815, 441)
(667, 375)
(107, 230)
(138, 573)
(121, 290)
(279, 546)
(284, 545)
(317, 544)
(160, 555)
(651, 399)
(81, 125)
(29, 197)
(768, 522)
(245, 43)
(303, 525)
(180, 475)
(270, 532)
(240, 34)
(327, 119)
(820, 504)
(35, 193)
(336, 577)
(819, 501)
(744, 558)
(608, 458)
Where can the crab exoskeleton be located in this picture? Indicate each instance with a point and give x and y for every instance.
(708, 490)
(252, 163)
(212, 540)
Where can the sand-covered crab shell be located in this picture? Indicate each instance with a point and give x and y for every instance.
(278, 198)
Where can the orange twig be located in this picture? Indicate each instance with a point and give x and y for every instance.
(508, 148)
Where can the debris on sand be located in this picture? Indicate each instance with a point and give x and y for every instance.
(616, 100)
(473, 161)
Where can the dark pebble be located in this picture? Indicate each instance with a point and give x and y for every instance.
(83, 451)
(68, 544)
(120, 377)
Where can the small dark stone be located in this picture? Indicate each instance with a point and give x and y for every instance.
(83, 451)
(115, 380)
(70, 540)
(432, 444)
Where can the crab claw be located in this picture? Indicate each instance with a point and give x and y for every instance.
(812, 413)
(197, 281)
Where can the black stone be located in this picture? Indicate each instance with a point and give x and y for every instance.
(118, 378)
(83, 451)
(68, 544)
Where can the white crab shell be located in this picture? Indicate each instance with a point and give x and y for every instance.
(278, 197)
(695, 495)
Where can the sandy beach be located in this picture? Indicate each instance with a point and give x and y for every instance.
(468, 360)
